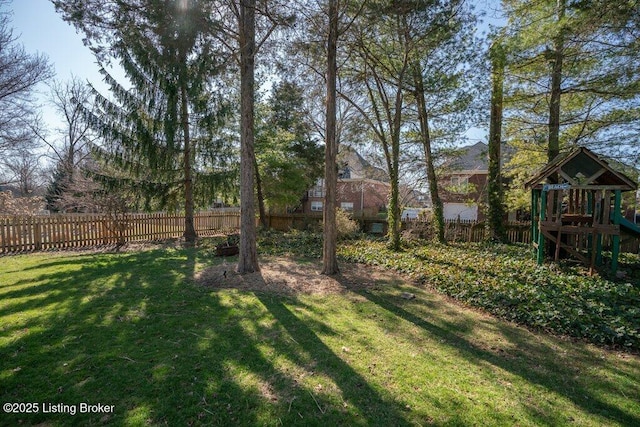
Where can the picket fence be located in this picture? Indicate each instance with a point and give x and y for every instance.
(471, 231)
(517, 232)
(62, 231)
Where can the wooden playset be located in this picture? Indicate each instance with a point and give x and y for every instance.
(576, 209)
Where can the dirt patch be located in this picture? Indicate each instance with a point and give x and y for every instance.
(286, 276)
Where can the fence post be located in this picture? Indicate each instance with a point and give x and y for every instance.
(37, 234)
(4, 240)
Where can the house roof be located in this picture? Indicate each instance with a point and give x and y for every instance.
(470, 158)
(581, 168)
(353, 165)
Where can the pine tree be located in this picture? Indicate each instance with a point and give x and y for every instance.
(444, 55)
(412, 53)
(161, 130)
(572, 77)
(495, 211)
(330, 232)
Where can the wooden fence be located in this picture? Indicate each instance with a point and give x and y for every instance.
(472, 231)
(29, 233)
(455, 230)
(517, 232)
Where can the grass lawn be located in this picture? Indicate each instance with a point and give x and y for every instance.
(136, 331)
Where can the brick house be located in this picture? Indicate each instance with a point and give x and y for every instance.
(463, 183)
(362, 188)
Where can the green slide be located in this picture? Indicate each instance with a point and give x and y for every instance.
(628, 227)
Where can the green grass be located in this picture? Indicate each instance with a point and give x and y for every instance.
(135, 331)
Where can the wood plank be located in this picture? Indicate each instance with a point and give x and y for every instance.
(594, 177)
(3, 238)
(567, 178)
(549, 211)
(551, 236)
(603, 187)
(606, 218)
(37, 234)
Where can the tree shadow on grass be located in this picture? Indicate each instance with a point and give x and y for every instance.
(133, 330)
(372, 407)
(531, 359)
(136, 333)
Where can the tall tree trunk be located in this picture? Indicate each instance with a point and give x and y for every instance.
(556, 85)
(395, 128)
(248, 258)
(394, 175)
(496, 212)
(330, 233)
(436, 202)
(261, 209)
(190, 234)
(393, 215)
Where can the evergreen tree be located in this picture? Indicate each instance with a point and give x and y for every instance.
(495, 211)
(381, 67)
(245, 25)
(572, 78)
(161, 130)
(330, 231)
(289, 160)
(320, 46)
(444, 55)
(59, 185)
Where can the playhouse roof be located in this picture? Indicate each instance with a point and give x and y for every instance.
(582, 168)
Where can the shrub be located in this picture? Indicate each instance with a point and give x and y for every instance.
(347, 228)
(295, 243)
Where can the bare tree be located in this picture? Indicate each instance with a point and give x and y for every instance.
(21, 170)
(68, 144)
(20, 73)
(87, 194)
(70, 141)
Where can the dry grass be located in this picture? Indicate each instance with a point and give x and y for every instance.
(283, 275)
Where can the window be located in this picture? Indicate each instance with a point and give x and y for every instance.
(460, 185)
(316, 192)
(318, 189)
(459, 180)
(316, 206)
(347, 206)
(345, 173)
